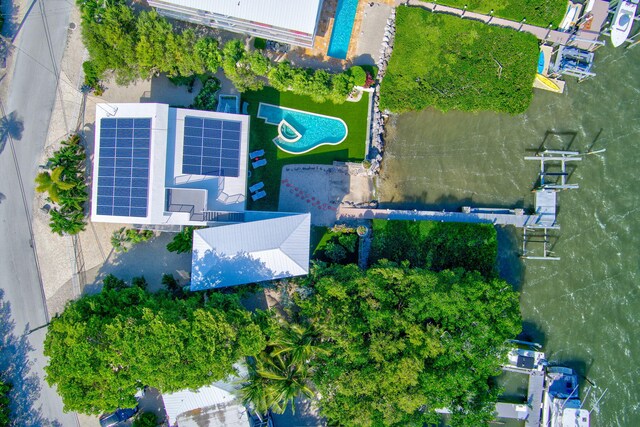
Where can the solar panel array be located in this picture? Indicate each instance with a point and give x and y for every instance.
(211, 147)
(123, 166)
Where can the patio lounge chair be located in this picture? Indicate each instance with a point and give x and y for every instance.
(257, 153)
(259, 163)
(245, 108)
(256, 187)
(259, 195)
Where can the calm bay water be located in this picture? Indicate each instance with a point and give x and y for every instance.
(585, 308)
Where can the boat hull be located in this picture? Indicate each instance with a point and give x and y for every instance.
(548, 83)
(622, 22)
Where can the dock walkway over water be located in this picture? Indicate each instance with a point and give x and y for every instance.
(585, 38)
(543, 217)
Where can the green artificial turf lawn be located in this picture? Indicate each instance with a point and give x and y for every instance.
(541, 13)
(351, 149)
(450, 63)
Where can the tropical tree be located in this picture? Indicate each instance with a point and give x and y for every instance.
(5, 413)
(405, 342)
(281, 372)
(53, 183)
(103, 348)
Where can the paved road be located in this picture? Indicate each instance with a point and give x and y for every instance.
(29, 104)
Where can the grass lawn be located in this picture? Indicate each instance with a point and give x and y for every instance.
(537, 12)
(351, 149)
(451, 63)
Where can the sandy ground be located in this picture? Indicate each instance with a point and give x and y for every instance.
(321, 189)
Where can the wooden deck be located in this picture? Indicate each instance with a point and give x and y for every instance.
(584, 38)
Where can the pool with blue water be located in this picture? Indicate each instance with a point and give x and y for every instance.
(314, 129)
(342, 28)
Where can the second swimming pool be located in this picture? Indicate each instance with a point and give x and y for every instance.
(342, 28)
(301, 131)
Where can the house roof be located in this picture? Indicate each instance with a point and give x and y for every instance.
(297, 15)
(163, 162)
(250, 252)
(210, 406)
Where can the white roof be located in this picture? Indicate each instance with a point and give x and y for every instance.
(250, 252)
(298, 15)
(165, 164)
(210, 406)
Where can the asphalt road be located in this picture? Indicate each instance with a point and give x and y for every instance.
(28, 106)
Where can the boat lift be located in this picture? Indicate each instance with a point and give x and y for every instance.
(546, 202)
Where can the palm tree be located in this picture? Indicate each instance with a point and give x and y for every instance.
(53, 184)
(281, 372)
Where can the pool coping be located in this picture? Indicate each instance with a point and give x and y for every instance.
(282, 123)
(266, 120)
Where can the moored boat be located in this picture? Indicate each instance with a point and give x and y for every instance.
(561, 404)
(623, 21)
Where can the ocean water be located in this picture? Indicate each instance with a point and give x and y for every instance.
(585, 308)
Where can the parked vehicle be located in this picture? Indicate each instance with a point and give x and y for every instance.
(115, 418)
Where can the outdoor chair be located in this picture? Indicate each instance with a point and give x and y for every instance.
(256, 153)
(259, 163)
(259, 195)
(256, 187)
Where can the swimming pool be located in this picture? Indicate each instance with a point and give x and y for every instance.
(301, 131)
(342, 28)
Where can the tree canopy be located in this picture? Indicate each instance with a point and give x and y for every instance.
(104, 348)
(404, 342)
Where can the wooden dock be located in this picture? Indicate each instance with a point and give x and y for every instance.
(586, 37)
(543, 217)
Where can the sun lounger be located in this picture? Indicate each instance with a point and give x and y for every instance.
(259, 195)
(256, 187)
(259, 163)
(257, 153)
(245, 108)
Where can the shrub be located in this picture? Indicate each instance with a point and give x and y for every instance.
(5, 412)
(358, 75)
(451, 63)
(146, 419)
(206, 98)
(259, 43)
(91, 75)
(183, 241)
(124, 238)
(65, 186)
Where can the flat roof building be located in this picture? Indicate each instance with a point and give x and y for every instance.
(288, 21)
(156, 165)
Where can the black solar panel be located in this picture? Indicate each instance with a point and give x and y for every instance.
(123, 167)
(211, 147)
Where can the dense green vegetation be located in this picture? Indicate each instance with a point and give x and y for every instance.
(261, 135)
(338, 244)
(451, 63)
(540, 13)
(400, 343)
(142, 45)
(5, 413)
(65, 186)
(435, 245)
(104, 348)
(183, 241)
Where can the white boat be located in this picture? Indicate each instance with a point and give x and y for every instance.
(623, 21)
(561, 405)
(571, 17)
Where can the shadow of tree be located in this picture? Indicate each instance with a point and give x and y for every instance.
(16, 367)
(213, 270)
(10, 126)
